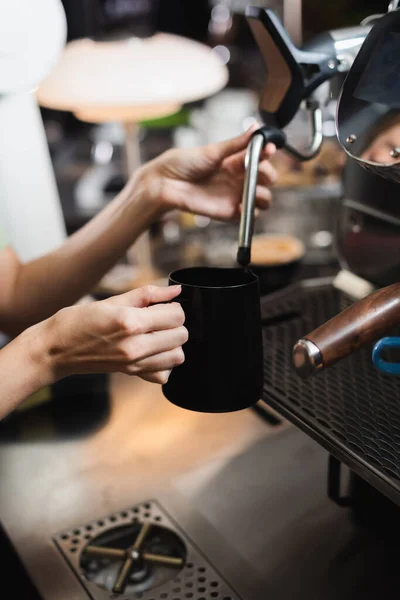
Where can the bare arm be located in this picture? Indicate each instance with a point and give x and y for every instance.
(33, 291)
(207, 181)
(24, 369)
(139, 333)
(131, 334)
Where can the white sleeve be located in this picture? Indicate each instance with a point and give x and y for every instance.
(3, 237)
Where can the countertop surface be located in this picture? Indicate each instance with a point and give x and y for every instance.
(251, 493)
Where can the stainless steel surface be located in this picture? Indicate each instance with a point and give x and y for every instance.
(249, 190)
(74, 462)
(368, 234)
(254, 496)
(252, 158)
(188, 575)
(307, 358)
(302, 545)
(368, 116)
(368, 227)
(348, 42)
(317, 137)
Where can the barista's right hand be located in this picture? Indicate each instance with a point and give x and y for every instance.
(132, 333)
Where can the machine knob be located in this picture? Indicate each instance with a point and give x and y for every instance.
(307, 358)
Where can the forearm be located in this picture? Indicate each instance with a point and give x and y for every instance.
(62, 277)
(25, 367)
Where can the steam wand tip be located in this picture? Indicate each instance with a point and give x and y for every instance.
(243, 256)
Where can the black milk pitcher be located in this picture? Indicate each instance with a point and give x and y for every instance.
(223, 368)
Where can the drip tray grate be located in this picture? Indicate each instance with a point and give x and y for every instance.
(189, 576)
(351, 409)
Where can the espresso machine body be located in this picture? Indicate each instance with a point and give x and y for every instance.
(368, 226)
(350, 408)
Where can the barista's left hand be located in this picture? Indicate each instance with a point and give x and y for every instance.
(207, 180)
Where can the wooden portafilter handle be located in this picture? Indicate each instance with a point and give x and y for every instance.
(360, 324)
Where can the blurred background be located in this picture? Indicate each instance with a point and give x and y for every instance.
(89, 157)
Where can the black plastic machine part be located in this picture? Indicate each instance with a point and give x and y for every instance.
(306, 69)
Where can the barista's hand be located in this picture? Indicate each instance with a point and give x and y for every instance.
(130, 333)
(207, 180)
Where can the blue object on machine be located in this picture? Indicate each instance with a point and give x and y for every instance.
(387, 343)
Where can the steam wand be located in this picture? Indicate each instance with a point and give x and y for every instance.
(259, 140)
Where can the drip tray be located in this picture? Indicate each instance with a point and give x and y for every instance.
(351, 409)
(140, 553)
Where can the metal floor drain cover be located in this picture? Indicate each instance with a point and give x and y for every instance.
(351, 405)
(140, 553)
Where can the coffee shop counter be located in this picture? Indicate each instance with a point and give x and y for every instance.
(250, 492)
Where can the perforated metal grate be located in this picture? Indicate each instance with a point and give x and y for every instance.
(351, 405)
(196, 580)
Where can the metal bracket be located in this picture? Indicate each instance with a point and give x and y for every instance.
(334, 483)
(317, 136)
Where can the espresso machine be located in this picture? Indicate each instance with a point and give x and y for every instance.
(296, 79)
(350, 408)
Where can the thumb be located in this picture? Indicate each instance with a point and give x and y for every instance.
(226, 148)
